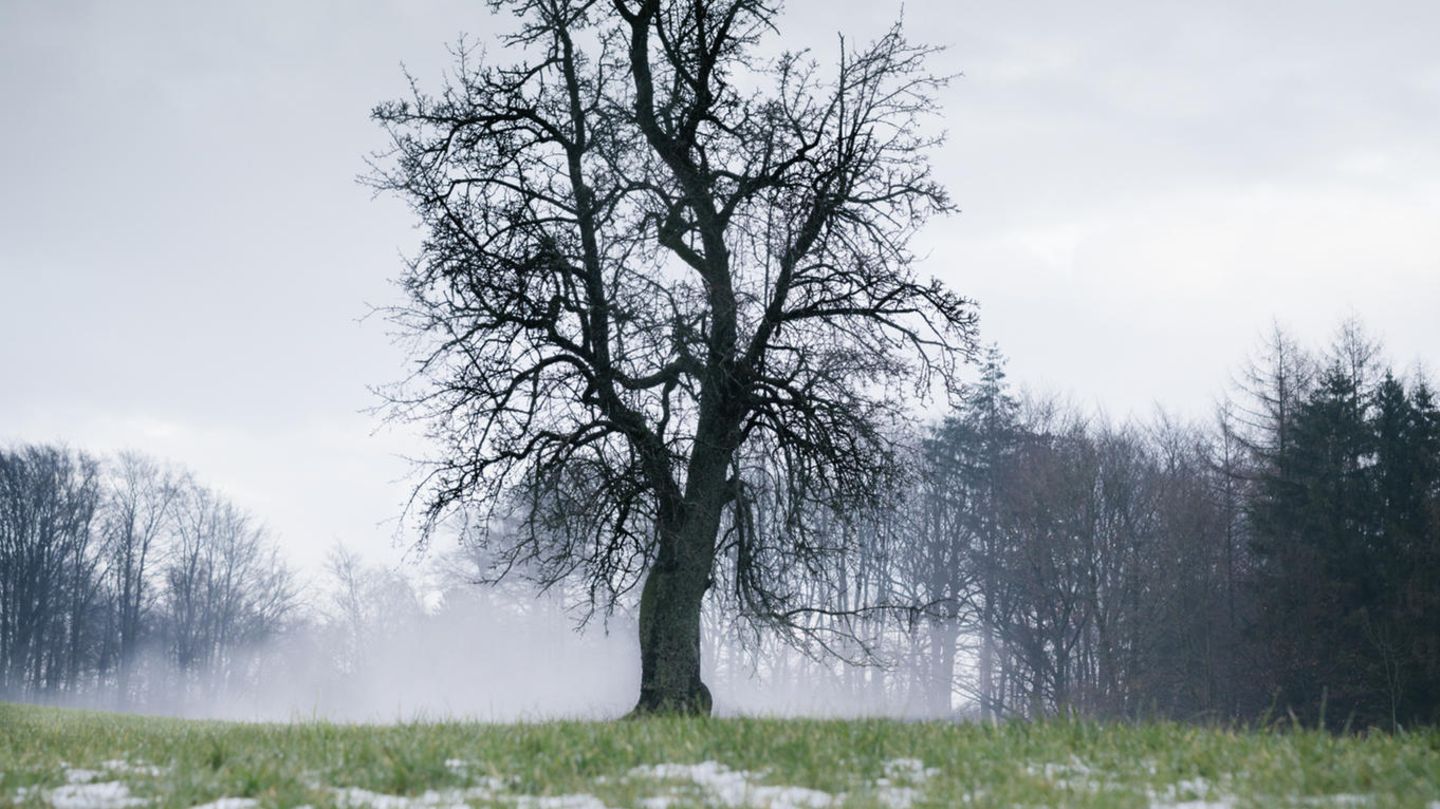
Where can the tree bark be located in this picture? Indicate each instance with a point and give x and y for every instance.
(670, 643)
(674, 591)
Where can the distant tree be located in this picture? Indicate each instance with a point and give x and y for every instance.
(225, 587)
(49, 587)
(953, 551)
(138, 517)
(1418, 599)
(103, 558)
(657, 262)
(368, 606)
(1344, 544)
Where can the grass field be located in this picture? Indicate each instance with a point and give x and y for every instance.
(82, 760)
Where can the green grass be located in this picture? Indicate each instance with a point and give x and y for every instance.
(1089, 764)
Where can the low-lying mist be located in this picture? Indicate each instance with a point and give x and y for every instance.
(475, 656)
(378, 648)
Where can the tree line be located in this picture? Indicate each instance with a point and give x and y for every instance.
(124, 578)
(1283, 561)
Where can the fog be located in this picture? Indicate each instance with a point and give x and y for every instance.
(368, 642)
(480, 660)
(480, 654)
(473, 658)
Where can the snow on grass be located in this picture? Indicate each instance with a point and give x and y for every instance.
(356, 798)
(578, 801)
(716, 784)
(1074, 775)
(117, 766)
(734, 788)
(103, 795)
(1187, 793)
(82, 791)
(909, 769)
(901, 786)
(80, 775)
(1190, 793)
(898, 797)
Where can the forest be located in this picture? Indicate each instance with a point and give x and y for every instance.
(1281, 560)
(111, 567)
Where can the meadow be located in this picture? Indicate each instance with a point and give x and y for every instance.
(88, 760)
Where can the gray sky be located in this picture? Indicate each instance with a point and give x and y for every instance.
(185, 256)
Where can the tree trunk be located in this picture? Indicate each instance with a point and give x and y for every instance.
(942, 661)
(670, 644)
(987, 671)
(670, 605)
(674, 590)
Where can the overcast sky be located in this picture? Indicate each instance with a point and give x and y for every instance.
(185, 257)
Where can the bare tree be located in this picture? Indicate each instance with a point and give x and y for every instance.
(368, 605)
(652, 257)
(225, 586)
(48, 579)
(138, 512)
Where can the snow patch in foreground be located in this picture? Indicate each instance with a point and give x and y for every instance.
(82, 791)
(580, 801)
(899, 788)
(732, 787)
(1188, 793)
(356, 798)
(104, 795)
(229, 803)
(79, 775)
(117, 766)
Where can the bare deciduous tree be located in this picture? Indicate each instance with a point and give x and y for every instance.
(139, 510)
(652, 256)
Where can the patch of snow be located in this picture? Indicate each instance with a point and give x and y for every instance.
(356, 798)
(229, 803)
(104, 795)
(580, 801)
(1198, 793)
(486, 783)
(736, 788)
(909, 772)
(909, 769)
(1190, 793)
(897, 797)
(80, 775)
(122, 767)
(1075, 775)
